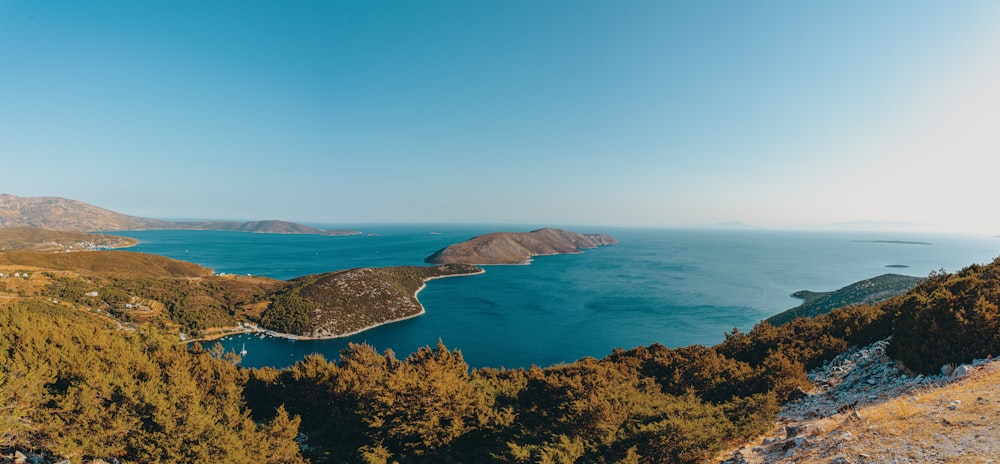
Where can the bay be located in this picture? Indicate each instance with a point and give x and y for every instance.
(675, 287)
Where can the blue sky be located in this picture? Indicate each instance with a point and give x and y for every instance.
(774, 113)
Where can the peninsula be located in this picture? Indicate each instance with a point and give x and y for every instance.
(867, 291)
(195, 301)
(517, 247)
(31, 238)
(338, 304)
(63, 214)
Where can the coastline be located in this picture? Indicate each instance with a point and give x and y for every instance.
(288, 336)
(528, 261)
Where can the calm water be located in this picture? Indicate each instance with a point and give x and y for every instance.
(670, 286)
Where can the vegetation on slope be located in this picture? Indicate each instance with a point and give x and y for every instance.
(124, 264)
(948, 319)
(16, 238)
(339, 303)
(138, 287)
(649, 404)
(76, 387)
(872, 290)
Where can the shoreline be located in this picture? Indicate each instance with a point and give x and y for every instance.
(526, 262)
(289, 336)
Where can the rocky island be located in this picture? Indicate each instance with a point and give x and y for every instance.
(517, 247)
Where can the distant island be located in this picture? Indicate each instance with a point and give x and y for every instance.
(517, 247)
(866, 291)
(63, 214)
(897, 242)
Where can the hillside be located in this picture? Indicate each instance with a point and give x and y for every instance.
(32, 238)
(866, 291)
(80, 391)
(341, 303)
(65, 214)
(517, 247)
(76, 388)
(124, 264)
(191, 299)
(72, 215)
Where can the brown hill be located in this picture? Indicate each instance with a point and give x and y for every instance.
(33, 238)
(517, 247)
(72, 215)
(65, 214)
(106, 263)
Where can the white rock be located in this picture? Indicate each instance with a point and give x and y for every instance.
(961, 371)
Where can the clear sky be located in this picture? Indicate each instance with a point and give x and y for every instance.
(773, 113)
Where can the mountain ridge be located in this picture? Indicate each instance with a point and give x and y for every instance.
(64, 214)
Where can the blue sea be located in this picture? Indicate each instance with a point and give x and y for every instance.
(675, 287)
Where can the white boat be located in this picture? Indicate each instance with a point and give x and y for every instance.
(243, 352)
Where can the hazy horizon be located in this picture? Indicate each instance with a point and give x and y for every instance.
(641, 114)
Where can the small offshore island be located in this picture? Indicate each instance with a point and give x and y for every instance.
(518, 247)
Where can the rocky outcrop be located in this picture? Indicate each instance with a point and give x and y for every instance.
(861, 375)
(517, 247)
(842, 419)
(71, 215)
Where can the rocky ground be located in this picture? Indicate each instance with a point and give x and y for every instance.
(866, 409)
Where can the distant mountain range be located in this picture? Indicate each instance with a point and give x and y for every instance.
(71, 215)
